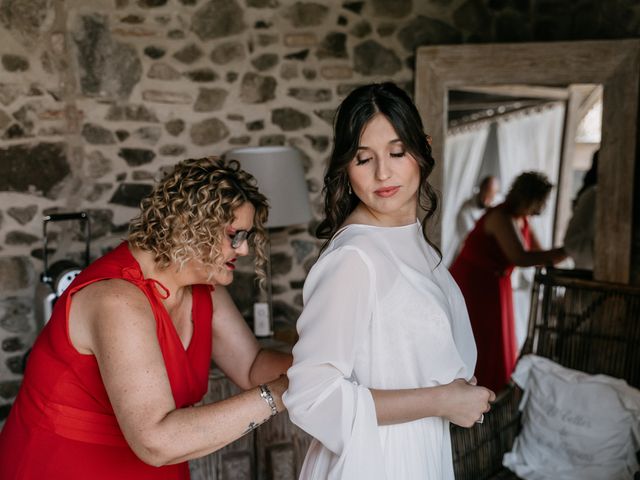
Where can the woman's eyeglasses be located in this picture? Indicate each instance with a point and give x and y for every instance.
(239, 237)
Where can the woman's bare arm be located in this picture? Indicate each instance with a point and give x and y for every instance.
(535, 243)
(236, 350)
(501, 226)
(460, 402)
(122, 336)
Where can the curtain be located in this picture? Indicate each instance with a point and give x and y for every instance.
(463, 151)
(531, 142)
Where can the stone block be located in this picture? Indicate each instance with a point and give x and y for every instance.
(161, 96)
(218, 19)
(289, 119)
(208, 132)
(131, 113)
(136, 156)
(175, 127)
(334, 45)
(22, 215)
(201, 75)
(154, 52)
(35, 168)
(14, 63)
(163, 71)
(188, 54)
(149, 135)
(9, 389)
(300, 40)
(241, 140)
(311, 95)
(392, 8)
(107, 67)
(210, 99)
(130, 194)
(271, 140)
(371, 58)
(306, 14)
(17, 237)
(227, 52)
(13, 344)
(173, 150)
(265, 61)
(15, 312)
(427, 31)
(257, 88)
(97, 135)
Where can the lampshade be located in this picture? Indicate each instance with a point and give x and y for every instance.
(280, 176)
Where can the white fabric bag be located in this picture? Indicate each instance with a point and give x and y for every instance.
(575, 426)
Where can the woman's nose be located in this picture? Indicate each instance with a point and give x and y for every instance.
(383, 171)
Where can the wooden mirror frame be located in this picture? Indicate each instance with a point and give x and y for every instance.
(614, 64)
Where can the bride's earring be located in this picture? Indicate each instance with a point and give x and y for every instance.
(349, 188)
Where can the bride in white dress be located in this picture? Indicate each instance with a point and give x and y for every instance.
(386, 355)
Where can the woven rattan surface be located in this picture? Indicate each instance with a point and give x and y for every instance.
(579, 323)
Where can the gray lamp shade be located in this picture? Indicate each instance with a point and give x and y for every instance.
(280, 176)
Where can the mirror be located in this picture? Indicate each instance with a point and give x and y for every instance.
(615, 65)
(501, 131)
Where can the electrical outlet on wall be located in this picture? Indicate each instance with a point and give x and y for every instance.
(261, 323)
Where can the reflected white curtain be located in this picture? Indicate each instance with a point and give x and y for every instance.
(531, 142)
(463, 151)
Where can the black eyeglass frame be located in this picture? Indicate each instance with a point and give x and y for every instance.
(239, 237)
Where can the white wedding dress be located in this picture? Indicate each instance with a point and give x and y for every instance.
(379, 313)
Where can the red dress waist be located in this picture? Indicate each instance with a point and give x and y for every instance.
(69, 422)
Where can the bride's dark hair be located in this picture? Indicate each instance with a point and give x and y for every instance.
(353, 114)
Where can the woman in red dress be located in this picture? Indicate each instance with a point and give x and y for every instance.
(129, 343)
(501, 240)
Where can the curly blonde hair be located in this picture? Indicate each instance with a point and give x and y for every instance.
(185, 216)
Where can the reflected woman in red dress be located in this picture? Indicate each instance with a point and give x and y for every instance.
(501, 240)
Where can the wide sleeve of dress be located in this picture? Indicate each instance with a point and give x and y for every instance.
(324, 397)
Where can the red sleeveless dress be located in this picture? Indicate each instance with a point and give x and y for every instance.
(483, 274)
(62, 425)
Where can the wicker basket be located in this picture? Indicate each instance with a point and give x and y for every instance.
(579, 323)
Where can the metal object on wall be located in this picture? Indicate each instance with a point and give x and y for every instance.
(57, 276)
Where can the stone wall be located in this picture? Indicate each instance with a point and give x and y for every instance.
(97, 98)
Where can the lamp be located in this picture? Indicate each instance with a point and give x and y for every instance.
(280, 176)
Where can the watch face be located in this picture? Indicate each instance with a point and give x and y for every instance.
(65, 279)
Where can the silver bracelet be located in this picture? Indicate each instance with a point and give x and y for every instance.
(268, 397)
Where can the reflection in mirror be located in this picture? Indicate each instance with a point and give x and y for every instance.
(503, 130)
(500, 131)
